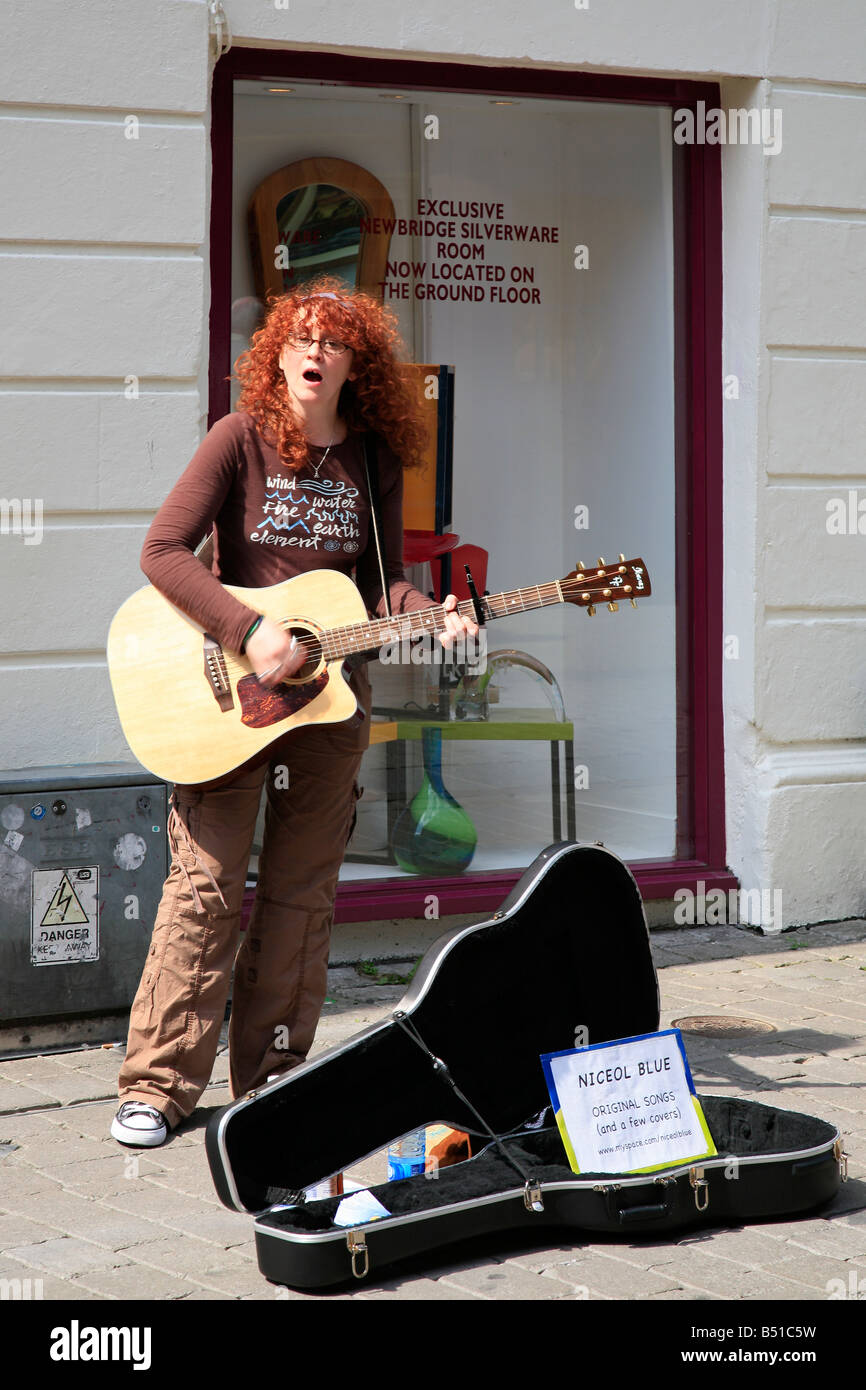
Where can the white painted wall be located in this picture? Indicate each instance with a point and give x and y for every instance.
(103, 271)
(102, 276)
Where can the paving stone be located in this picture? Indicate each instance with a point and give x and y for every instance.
(65, 1255)
(40, 1287)
(816, 1271)
(697, 1269)
(235, 1283)
(830, 1238)
(192, 1257)
(93, 1118)
(605, 1275)
(134, 1281)
(33, 1070)
(684, 1296)
(31, 1124)
(505, 1281)
(106, 1176)
(246, 1250)
(537, 1261)
(426, 1290)
(744, 1247)
(118, 1230)
(56, 1207)
(22, 1230)
(58, 1146)
(20, 1180)
(280, 1293)
(199, 1295)
(216, 1224)
(192, 1182)
(15, 1097)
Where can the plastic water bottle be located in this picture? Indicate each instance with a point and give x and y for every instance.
(406, 1156)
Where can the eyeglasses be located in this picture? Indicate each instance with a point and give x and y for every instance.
(331, 347)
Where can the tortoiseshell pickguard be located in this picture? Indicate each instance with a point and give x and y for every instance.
(261, 707)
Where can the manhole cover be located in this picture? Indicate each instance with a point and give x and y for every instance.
(722, 1026)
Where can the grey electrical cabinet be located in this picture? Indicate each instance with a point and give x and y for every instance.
(83, 857)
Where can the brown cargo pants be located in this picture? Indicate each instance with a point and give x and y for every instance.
(280, 974)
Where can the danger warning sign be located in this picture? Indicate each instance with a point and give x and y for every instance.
(65, 915)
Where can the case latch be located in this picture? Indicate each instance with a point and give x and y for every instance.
(357, 1243)
(532, 1198)
(701, 1188)
(842, 1159)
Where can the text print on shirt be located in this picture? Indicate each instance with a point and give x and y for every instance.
(327, 519)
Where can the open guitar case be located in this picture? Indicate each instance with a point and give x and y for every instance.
(568, 948)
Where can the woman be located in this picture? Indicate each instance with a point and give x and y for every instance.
(282, 483)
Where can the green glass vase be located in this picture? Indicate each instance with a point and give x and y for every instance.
(434, 835)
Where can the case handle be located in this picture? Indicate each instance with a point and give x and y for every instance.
(648, 1211)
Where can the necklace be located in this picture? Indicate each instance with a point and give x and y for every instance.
(316, 466)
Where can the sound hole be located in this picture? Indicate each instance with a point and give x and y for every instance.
(313, 647)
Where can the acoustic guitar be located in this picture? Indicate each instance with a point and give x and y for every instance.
(192, 711)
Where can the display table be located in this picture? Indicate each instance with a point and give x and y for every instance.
(513, 725)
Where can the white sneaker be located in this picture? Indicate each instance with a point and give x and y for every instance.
(139, 1124)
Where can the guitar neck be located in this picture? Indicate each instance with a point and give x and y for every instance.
(363, 637)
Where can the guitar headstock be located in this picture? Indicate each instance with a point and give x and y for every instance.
(626, 579)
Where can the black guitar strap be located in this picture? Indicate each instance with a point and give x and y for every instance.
(404, 1022)
(376, 514)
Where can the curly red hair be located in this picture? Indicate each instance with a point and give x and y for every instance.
(383, 397)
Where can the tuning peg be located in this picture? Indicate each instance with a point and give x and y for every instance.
(634, 603)
(614, 607)
(580, 564)
(591, 610)
(621, 556)
(601, 559)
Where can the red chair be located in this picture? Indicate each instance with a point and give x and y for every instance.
(473, 556)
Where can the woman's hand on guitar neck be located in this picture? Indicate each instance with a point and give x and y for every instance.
(273, 653)
(456, 626)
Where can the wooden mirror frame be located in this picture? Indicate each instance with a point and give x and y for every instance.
(339, 173)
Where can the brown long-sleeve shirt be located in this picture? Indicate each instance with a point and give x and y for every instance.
(271, 524)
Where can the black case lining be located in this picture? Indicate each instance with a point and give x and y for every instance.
(739, 1129)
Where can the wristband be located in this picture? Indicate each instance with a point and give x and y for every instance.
(250, 632)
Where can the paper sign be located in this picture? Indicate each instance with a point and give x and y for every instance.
(627, 1106)
(64, 923)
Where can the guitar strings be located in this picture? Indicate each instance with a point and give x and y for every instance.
(312, 644)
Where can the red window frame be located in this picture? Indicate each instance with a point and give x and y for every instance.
(697, 218)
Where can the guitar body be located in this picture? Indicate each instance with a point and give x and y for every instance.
(191, 711)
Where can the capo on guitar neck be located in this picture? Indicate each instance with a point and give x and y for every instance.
(473, 594)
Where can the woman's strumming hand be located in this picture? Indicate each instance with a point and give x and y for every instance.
(273, 653)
